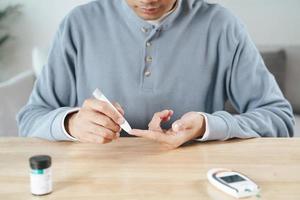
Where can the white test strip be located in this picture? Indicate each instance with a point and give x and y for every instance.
(100, 96)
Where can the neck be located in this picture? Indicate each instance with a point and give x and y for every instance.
(157, 21)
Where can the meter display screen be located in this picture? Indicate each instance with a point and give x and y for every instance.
(232, 179)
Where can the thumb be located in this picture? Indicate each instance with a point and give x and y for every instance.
(182, 124)
(178, 126)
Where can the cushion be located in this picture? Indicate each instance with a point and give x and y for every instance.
(14, 94)
(297, 126)
(293, 74)
(276, 63)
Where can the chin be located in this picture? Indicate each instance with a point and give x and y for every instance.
(149, 17)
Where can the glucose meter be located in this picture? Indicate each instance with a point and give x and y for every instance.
(232, 183)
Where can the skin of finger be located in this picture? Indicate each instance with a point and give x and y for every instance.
(192, 118)
(152, 135)
(163, 114)
(91, 138)
(119, 108)
(105, 108)
(168, 117)
(120, 111)
(177, 126)
(187, 121)
(181, 134)
(158, 117)
(100, 131)
(81, 127)
(102, 120)
(196, 123)
(170, 147)
(172, 140)
(77, 123)
(154, 125)
(105, 141)
(117, 136)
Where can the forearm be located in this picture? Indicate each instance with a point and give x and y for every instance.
(261, 122)
(54, 93)
(35, 121)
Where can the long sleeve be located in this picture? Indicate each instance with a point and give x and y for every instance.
(53, 94)
(254, 93)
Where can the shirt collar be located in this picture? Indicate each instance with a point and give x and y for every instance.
(138, 23)
(159, 21)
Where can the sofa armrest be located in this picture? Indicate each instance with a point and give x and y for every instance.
(14, 95)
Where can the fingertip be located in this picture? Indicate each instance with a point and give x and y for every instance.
(177, 126)
(121, 120)
(136, 132)
(165, 114)
(105, 141)
(166, 111)
(117, 104)
(119, 108)
(166, 119)
(132, 132)
(117, 136)
(121, 111)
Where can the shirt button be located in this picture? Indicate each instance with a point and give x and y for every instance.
(149, 59)
(148, 44)
(144, 30)
(147, 73)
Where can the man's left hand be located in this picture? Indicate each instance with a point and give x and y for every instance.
(190, 126)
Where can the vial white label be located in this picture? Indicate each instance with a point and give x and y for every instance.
(41, 181)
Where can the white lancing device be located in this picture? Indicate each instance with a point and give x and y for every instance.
(100, 96)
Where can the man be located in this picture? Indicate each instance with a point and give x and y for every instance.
(179, 59)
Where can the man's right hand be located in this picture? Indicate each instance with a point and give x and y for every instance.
(96, 122)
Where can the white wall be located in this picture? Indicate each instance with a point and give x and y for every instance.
(35, 27)
(270, 22)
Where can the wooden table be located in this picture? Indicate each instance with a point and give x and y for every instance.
(134, 168)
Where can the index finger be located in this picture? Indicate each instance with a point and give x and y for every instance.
(119, 108)
(106, 109)
(158, 117)
(152, 135)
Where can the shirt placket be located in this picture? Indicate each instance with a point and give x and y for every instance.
(148, 67)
